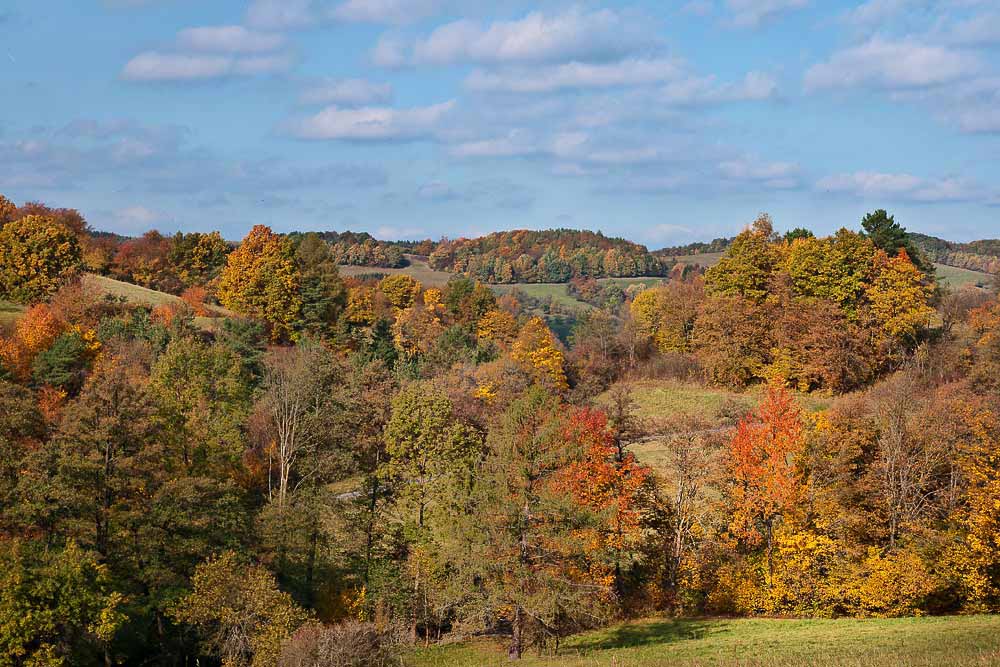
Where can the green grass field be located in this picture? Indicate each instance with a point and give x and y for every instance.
(418, 268)
(545, 291)
(705, 259)
(952, 276)
(913, 642)
(149, 297)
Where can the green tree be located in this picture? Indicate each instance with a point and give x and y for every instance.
(890, 236)
(748, 265)
(241, 615)
(321, 289)
(57, 607)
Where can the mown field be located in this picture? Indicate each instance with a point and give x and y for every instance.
(911, 642)
(418, 269)
(952, 276)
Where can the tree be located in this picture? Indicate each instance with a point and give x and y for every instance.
(524, 530)
(241, 615)
(34, 333)
(262, 280)
(537, 349)
(37, 255)
(610, 481)
(667, 314)
(899, 299)
(746, 269)
(56, 607)
(321, 288)
(400, 289)
(297, 383)
(763, 458)
(733, 340)
(891, 237)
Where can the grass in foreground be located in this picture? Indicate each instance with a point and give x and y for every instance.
(917, 642)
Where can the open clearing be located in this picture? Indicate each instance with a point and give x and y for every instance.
(9, 312)
(952, 276)
(719, 409)
(149, 297)
(418, 269)
(913, 642)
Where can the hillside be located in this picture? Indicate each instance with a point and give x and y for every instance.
(550, 256)
(982, 255)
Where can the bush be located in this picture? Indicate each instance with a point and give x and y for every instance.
(349, 644)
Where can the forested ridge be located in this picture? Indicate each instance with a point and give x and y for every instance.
(338, 469)
(552, 256)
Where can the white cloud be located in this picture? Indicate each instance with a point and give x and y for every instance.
(894, 65)
(874, 12)
(386, 11)
(347, 92)
(437, 191)
(229, 39)
(282, 14)
(899, 186)
(630, 72)
(774, 175)
(137, 218)
(752, 13)
(536, 38)
(980, 30)
(515, 144)
(705, 90)
(373, 123)
(388, 52)
(154, 66)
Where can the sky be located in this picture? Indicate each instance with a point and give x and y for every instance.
(663, 122)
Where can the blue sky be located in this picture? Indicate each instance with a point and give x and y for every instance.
(664, 122)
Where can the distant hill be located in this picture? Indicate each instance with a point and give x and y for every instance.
(982, 256)
(549, 256)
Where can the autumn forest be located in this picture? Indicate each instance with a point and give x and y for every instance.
(308, 449)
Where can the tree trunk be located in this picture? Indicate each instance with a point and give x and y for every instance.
(517, 642)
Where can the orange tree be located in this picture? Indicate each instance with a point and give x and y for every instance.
(765, 483)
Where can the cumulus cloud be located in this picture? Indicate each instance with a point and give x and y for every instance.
(753, 13)
(879, 63)
(229, 39)
(537, 38)
(706, 90)
(155, 66)
(347, 92)
(283, 14)
(373, 123)
(898, 186)
(773, 175)
(548, 79)
(386, 11)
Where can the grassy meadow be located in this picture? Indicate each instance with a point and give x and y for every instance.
(952, 276)
(418, 268)
(912, 642)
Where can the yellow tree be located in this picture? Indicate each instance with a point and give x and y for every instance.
(497, 326)
(899, 298)
(401, 290)
(536, 347)
(37, 255)
(261, 280)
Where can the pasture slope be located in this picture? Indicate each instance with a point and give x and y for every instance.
(953, 641)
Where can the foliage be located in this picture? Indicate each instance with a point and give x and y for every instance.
(243, 615)
(261, 280)
(37, 255)
(552, 256)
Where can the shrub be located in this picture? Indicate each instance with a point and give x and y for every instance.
(348, 644)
